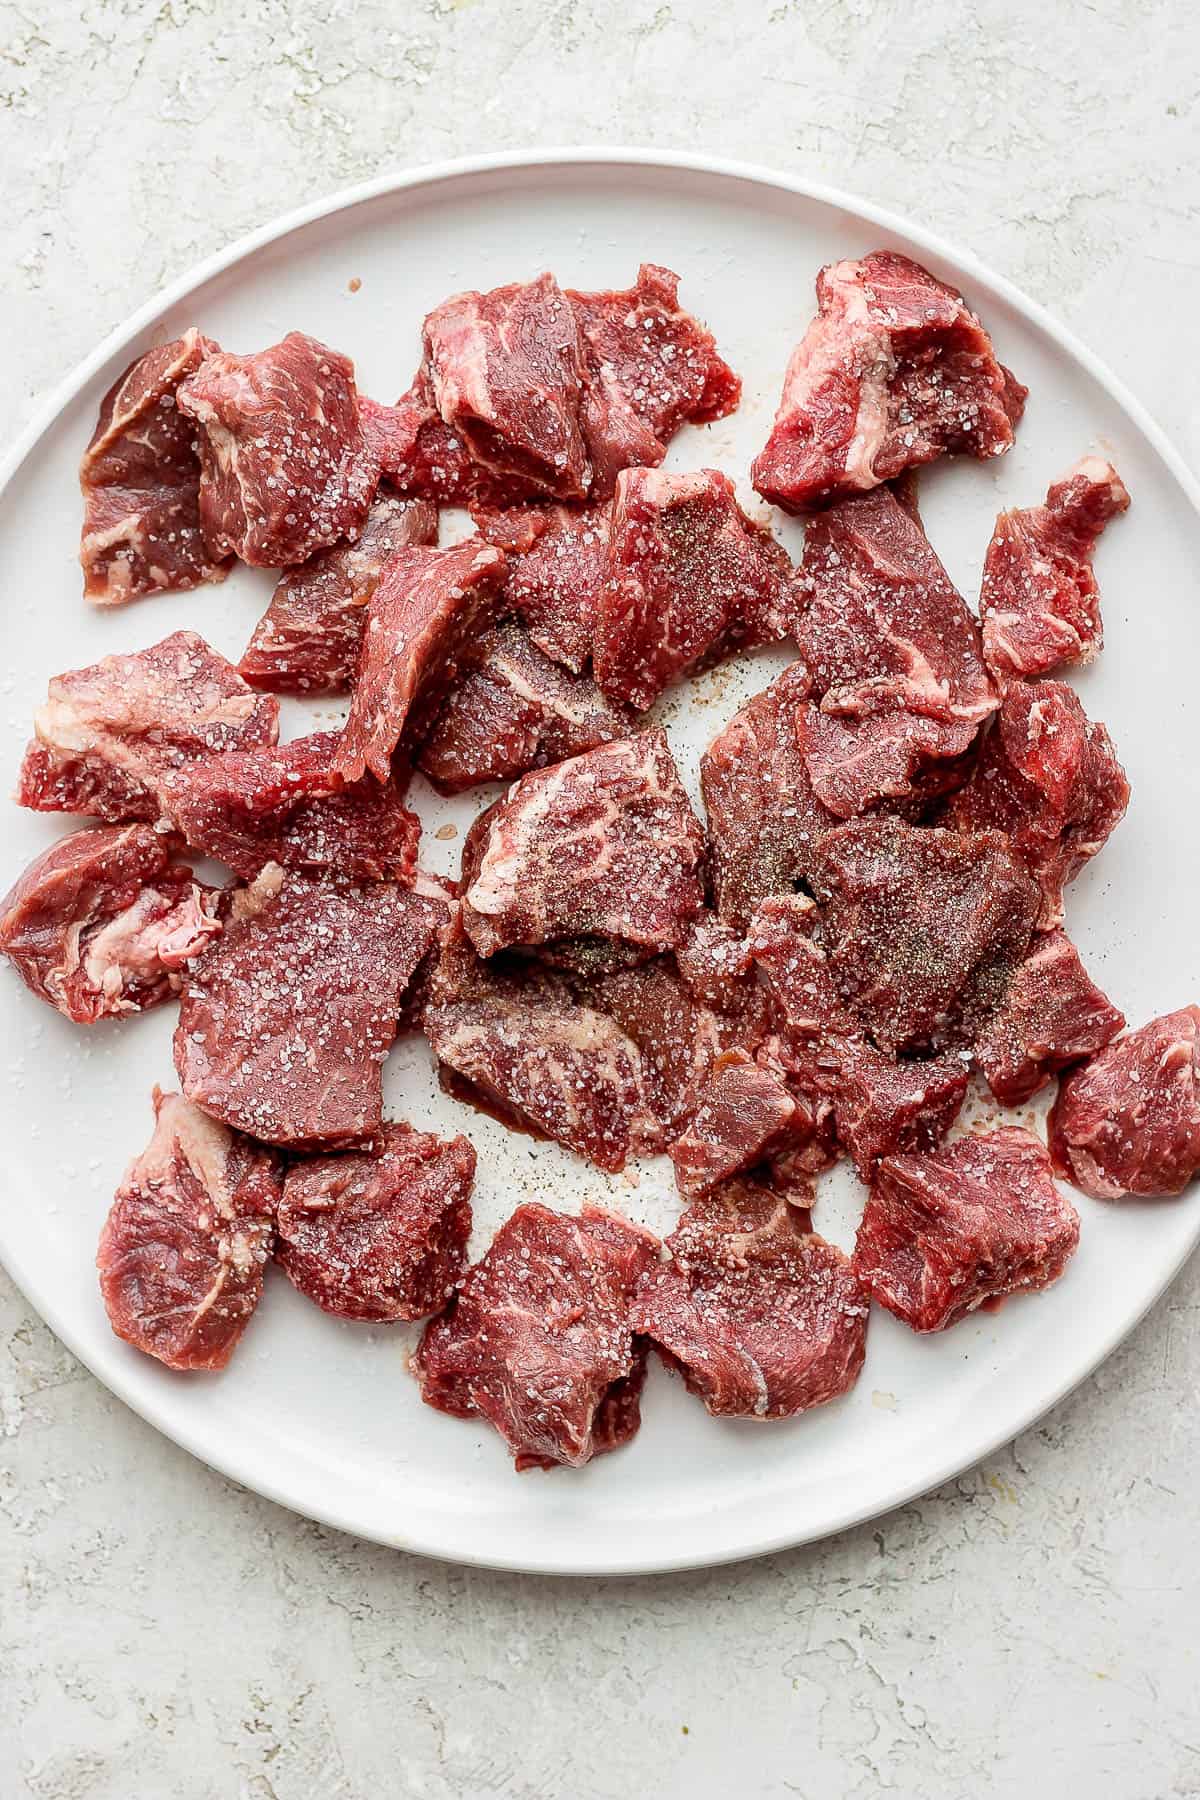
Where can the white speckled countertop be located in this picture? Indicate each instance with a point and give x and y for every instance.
(165, 1636)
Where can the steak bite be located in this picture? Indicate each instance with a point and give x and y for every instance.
(556, 562)
(1128, 1121)
(285, 1023)
(689, 579)
(605, 843)
(1039, 603)
(944, 1232)
(747, 1115)
(424, 620)
(380, 1235)
(183, 1250)
(894, 371)
(762, 1318)
(1052, 1015)
(538, 1339)
(283, 804)
(286, 469)
(110, 735)
(103, 923)
(1048, 777)
(140, 479)
(512, 711)
(308, 640)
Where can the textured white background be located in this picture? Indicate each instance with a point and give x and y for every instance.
(164, 1636)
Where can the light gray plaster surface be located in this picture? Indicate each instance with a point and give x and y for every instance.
(1030, 1629)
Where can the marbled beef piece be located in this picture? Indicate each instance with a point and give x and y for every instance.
(308, 640)
(946, 1231)
(379, 1235)
(748, 1115)
(538, 1340)
(1128, 1121)
(1049, 778)
(762, 1318)
(1039, 603)
(283, 804)
(688, 579)
(286, 468)
(110, 736)
(140, 479)
(894, 371)
(605, 843)
(556, 561)
(424, 620)
(677, 1036)
(420, 454)
(285, 1023)
(183, 1251)
(103, 923)
(1052, 1015)
(512, 711)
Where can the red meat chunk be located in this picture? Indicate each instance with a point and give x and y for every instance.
(420, 454)
(677, 1036)
(762, 1318)
(308, 640)
(894, 371)
(513, 711)
(286, 468)
(1128, 1121)
(556, 565)
(922, 928)
(1049, 778)
(946, 1231)
(285, 1023)
(103, 923)
(182, 1253)
(604, 843)
(140, 478)
(1039, 603)
(1052, 1015)
(689, 579)
(425, 617)
(748, 1115)
(537, 1340)
(380, 1235)
(880, 1103)
(109, 736)
(893, 653)
(284, 805)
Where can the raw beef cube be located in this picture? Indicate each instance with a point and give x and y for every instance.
(284, 805)
(537, 1340)
(103, 923)
(424, 619)
(747, 1115)
(762, 1318)
(880, 1103)
(284, 1024)
(605, 843)
(309, 638)
(892, 651)
(419, 453)
(507, 375)
(650, 369)
(1049, 778)
(677, 1036)
(1039, 603)
(380, 1235)
(183, 1250)
(285, 466)
(716, 964)
(109, 736)
(515, 710)
(894, 371)
(1052, 1015)
(946, 1231)
(556, 563)
(518, 1044)
(922, 928)
(1128, 1121)
(689, 579)
(140, 478)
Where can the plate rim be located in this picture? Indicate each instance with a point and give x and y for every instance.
(447, 170)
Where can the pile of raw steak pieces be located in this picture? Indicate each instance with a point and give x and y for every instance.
(872, 911)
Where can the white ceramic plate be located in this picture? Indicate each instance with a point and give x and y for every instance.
(323, 1416)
